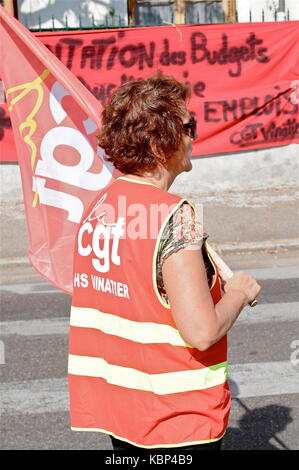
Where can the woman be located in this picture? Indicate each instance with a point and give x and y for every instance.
(148, 352)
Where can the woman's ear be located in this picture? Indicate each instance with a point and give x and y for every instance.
(161, 159)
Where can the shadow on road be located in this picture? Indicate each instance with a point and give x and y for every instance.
(257, 427)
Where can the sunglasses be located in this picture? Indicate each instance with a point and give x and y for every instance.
(190, 128)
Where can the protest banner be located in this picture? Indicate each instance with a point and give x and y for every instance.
(242, 76)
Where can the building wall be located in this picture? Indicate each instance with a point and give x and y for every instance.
(35, 13)
(269, 6)
(42, 13)
(258, 169)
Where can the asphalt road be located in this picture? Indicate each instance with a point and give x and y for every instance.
(263, 356)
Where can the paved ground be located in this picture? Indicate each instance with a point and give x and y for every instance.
(263, 357)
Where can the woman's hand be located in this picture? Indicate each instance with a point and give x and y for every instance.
(200, 322)
(245, 283)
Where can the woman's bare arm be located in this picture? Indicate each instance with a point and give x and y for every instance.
(200, 323)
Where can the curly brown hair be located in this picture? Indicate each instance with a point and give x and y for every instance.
(142, 123)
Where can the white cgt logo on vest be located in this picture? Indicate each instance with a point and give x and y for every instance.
(105, 230)
(110, 234)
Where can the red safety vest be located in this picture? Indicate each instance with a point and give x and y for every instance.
(131, 374)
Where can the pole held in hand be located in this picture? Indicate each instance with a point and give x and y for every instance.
(223, 268)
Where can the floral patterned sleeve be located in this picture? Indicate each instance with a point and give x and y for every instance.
(182, 230)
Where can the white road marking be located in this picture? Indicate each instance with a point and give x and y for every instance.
(246, 380)
(264, 378)
(34, 396)
(269, 313)
(31, 288)
(264, 313)
(282, 272)
(39, 327)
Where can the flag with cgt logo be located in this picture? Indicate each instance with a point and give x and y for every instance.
(55, 121)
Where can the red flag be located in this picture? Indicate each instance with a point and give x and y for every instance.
(54, 119)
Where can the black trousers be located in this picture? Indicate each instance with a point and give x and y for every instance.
(122, 445)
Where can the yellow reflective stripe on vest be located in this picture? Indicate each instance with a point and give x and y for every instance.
(140, 332)
(160, 384)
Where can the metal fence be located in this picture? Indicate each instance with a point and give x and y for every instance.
(111, 20)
